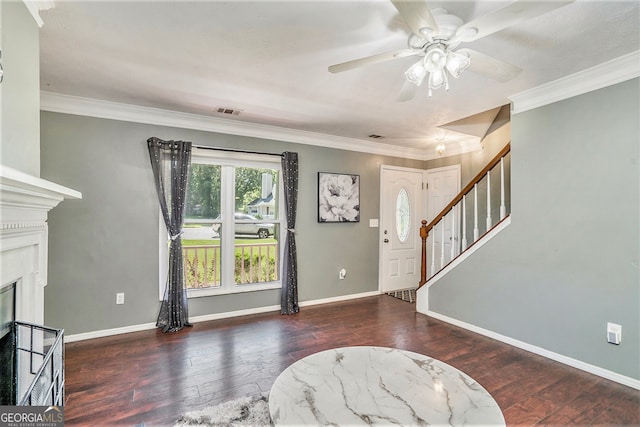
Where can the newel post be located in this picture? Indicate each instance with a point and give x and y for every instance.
(423, 263)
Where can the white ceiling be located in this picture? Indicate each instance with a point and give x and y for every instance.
(270, 58)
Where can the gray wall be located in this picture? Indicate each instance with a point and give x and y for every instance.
(108, 241)
(568, 263)
(20, 89)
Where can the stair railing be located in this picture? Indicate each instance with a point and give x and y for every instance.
(447, 233)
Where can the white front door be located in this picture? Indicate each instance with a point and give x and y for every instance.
(400, 216)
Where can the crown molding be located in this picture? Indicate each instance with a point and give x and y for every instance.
(69, 104)
(606, 74)
(35, 6)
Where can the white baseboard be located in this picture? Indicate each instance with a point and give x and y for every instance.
(207, 317)
(237, 313)
(108, 332)
(339, 298)
(592, 369)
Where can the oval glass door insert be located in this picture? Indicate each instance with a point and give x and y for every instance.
(403, 215)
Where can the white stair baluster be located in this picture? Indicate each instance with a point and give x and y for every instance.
(433, 252)
(453, 232)
(476, 231)
(442, 222)
(489, 201)
(464, 223)
(503, 208)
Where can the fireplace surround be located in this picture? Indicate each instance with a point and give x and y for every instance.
(25, 201)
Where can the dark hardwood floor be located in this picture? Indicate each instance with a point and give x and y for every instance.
(151, 378)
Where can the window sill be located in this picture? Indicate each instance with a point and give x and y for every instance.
(235, 289)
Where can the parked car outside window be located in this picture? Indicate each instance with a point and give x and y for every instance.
(246, 224)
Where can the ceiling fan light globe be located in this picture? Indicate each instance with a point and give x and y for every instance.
(416, 73)
(435, 60)
(457, 63)
(437, 79)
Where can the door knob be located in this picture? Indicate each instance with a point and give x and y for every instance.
(386, 240)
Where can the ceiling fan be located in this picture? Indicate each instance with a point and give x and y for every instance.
(437, 35)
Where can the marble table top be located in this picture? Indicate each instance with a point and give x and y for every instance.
(377, 385)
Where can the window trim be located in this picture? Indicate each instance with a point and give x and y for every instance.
(234, 160)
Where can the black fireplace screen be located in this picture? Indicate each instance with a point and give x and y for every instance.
(31, 359)
(32, 366)
(7, 345)
(40, 365)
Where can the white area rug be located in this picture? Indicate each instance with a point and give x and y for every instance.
(244, 411)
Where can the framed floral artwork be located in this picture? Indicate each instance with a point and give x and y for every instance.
(338, 197)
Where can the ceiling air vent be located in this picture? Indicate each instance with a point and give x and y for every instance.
(225, 110)
(374, 136)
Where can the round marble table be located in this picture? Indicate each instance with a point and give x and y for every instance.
(377, 385)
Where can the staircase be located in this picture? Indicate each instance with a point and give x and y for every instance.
(476, 214)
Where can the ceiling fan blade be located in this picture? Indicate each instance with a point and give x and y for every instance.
(489, 66)
(381, 57)
(408, 92)
(417, 15)
(516, 12)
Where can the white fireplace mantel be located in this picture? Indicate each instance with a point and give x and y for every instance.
(25, 201)
(25, 198)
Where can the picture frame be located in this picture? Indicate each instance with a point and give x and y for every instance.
(338, 197)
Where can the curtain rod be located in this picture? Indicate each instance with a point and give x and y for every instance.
(233, 150)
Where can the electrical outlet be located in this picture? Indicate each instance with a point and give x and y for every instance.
(120, 298)
(342, 274)
(614, 333)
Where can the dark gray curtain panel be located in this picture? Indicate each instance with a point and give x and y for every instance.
(289, 295)
(170, 162)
